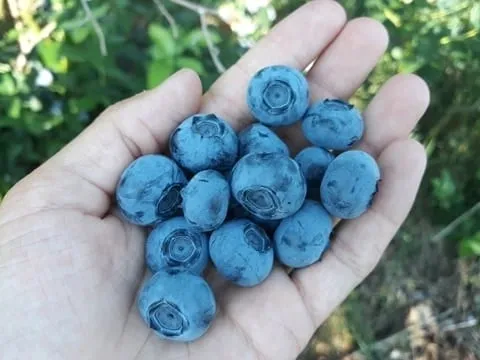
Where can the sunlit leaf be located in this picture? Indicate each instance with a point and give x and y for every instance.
(195, 39)
(475, 16)
(394, 18)
(79, 35)
(470, 246)
(163, 39)
(15, 108)
(7, 85)
(49, 52)
(158, 71)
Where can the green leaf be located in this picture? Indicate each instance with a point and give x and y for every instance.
(191, 63)
(15, 108)
(158, 71)
(162, 39)
(195, 40)
(475, 16)
(85, 103)
(7, 85)
(395, 19)
(49, 52)
(470, 246)
(80, 35)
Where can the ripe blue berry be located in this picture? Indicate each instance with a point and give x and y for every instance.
(278, 95)
(178, 306)
(173, 244)
(237, 211)
(149, 190)
(350, 184)
(205, 200)
(301, 239)
(242, 252)
(260, 139)
(204, 141)
(270, 186)
(333, 124)
(313, 162)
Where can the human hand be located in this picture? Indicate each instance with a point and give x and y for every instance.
(70, 268)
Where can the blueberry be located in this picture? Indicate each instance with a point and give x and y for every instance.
(349, 184)
(260, 139)
(204, 141)
(301, 239)
(270, 186)
(333, 124)
(278, 95)
(313, 162)
(149, 190)
(173, 244)
(242, 252)
(205, 200)
(237, 211)
(177, 305)
(268, 225)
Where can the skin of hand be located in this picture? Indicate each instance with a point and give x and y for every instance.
(70, 268)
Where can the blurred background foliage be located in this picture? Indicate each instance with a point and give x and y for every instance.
(63, 61)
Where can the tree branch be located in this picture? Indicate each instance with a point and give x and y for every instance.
(96, 27)
(455, 223)
(166, 14)
(212, 49)
(388, 343)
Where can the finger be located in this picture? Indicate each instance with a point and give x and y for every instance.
(348, 61)
(86, 171)
(296, 41)
(394, 112)
(358, 244)
(342, 68)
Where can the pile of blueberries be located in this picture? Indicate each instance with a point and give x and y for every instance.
(240, 200)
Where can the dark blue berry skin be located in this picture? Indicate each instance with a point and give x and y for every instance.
(278, 95)
(149, 190)
(270, 186)
(205, 200)
(173, 244)
(350, 184)
(301, 239)
(242, 252)
(313, 162)
(204, 141)
(178, 306)
(236, 211)
(257, 138)
(333, 124)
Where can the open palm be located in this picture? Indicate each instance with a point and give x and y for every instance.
(70, 268)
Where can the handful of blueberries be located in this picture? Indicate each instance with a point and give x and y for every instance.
(241, 200)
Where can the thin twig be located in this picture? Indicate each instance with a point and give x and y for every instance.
(455, 223)
(451, 112)
(463, 325)
(195, 7)
(96, 27)
(171, 21)
(212, 49)
(395, 339)
(202, 12)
